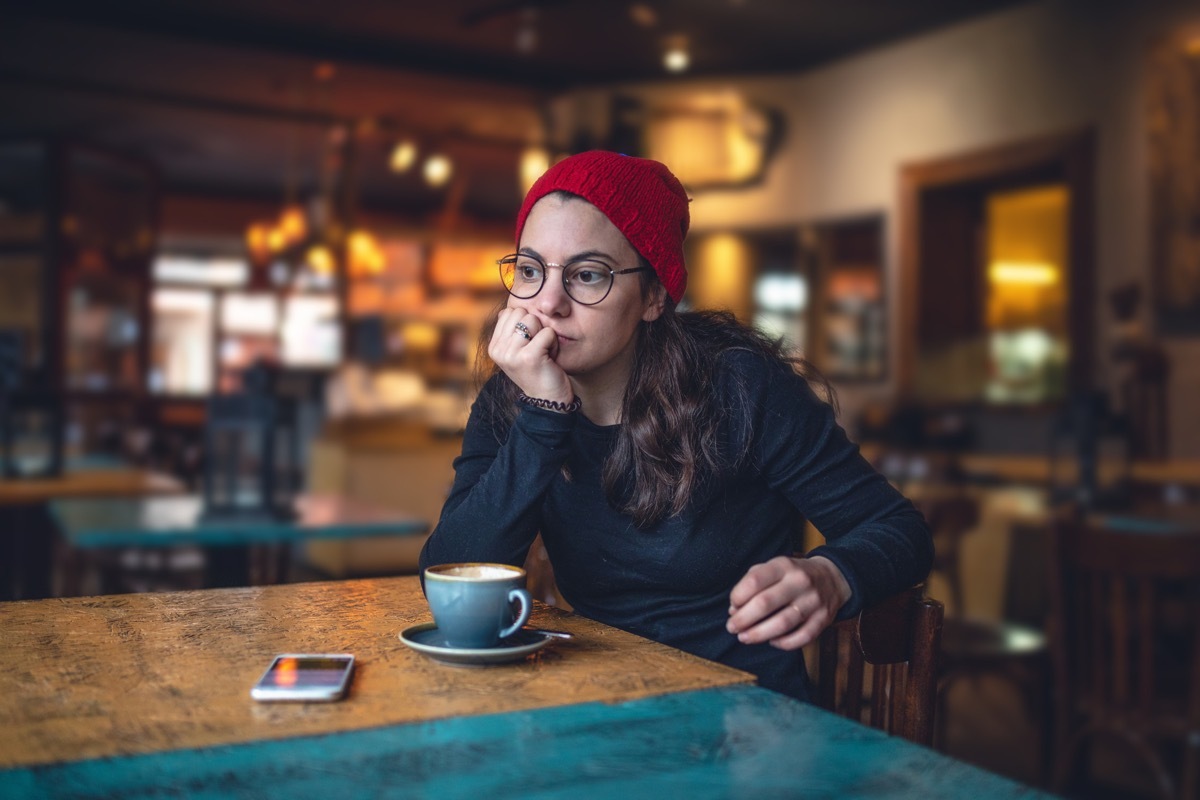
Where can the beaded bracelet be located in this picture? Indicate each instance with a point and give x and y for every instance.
(552, 405)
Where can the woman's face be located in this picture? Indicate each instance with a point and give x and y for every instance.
(593, 341)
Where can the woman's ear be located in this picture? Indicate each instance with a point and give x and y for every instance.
(655, 303)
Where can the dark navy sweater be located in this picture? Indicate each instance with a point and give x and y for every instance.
(671, 582)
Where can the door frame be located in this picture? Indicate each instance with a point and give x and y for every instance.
(1073, 155)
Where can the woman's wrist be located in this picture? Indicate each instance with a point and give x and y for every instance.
(551, 405)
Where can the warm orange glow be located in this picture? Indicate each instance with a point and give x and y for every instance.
(256, 241)
(466, 265)
(1027, 257)
(294, 224)
(534, 162)
(276, 240)
(320, 260)
(1027, 273)
(404, 154)
(365, 256)
(286, 673)
(723, 274)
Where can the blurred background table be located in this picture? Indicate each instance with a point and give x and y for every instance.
(134, 694)
(26, 533)
(112, 524)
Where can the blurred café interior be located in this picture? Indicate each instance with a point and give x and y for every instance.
(247, 250)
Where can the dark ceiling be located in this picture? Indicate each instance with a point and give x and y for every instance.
(220, 95)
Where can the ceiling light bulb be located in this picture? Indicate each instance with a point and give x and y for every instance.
(437, 170)
(675, 57)
(675, 60)
(404, 155)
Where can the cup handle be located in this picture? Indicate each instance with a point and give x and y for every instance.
(522, 596)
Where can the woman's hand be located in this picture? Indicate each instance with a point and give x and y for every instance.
(786, 601)
(526, 350)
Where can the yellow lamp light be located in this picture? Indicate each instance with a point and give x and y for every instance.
(1027, 273)
(404, 155)
(320, 260)
(364, 254)
(534, 162)
(293, 224)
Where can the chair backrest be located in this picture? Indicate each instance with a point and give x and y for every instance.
(900, 640)
(1126, 614)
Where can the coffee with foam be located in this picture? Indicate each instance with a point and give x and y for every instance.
(477, 572)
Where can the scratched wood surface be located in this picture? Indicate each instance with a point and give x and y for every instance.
(90, 482)
(124, 674)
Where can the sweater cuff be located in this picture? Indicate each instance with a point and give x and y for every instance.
(542, 423)
(855, 603)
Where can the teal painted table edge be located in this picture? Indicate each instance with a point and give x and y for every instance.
(119, 522)
(717, 743)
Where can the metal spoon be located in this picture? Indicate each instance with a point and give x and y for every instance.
(556, 634)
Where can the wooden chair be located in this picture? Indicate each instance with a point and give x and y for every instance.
(1126, 605)
(899, 639)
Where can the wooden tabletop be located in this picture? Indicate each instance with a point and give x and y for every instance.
(94, 677)
(88, 482)
(178, 520)
(729, 742)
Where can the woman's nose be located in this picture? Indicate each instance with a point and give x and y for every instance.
(553, 300)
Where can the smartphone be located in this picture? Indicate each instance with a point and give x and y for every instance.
(320, 677)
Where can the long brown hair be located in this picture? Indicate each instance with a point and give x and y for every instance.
(669, 445)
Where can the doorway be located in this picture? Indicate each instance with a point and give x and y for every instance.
(996, 247)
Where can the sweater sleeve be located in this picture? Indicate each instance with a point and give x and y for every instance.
(500, 480)
(874, 535)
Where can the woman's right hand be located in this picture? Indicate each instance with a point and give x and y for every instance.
(529, 362)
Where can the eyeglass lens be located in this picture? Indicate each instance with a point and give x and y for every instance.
(586, 282)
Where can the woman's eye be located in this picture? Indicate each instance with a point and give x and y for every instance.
(586, 275)
(529, 272)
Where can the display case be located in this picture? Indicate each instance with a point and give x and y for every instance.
(77, 230)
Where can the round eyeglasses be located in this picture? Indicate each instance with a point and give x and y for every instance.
(586, 282)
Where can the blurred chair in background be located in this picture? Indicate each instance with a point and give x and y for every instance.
(1013, 648)
(899, 639)
(252, 454)
(1126, 606)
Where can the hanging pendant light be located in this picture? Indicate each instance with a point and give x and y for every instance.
(404, 155)
(437, 170)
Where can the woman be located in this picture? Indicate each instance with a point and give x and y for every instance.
(665, 458)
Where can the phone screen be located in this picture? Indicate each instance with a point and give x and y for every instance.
(298, 676)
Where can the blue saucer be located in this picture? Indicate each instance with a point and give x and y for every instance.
(426, 638)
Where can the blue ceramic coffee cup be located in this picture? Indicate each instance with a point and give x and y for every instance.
(472, 603)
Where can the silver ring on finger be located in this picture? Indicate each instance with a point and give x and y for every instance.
(522, 330)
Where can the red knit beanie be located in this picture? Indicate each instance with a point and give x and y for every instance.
(639, 196)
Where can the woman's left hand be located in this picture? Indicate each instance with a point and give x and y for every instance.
(786, 601)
